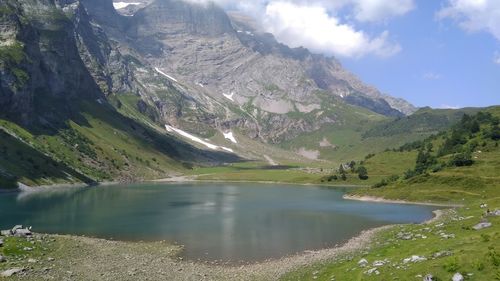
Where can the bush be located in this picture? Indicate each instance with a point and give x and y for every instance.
(380, 184)
(410, 174)
(332, 178)
(451, 265)
(437, 167)
(461, 159)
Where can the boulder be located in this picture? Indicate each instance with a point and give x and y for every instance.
(428, 277)
(482, 225)
(1, 242)
(2, 259)
(22, 232)
(362, 262)
(13, 230)
(457, 277)
(414, 258)
(10, 272)
(5, 232)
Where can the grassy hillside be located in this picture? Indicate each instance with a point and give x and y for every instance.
(360, 136)
(461, 164)
(99, 145)
(461, 167)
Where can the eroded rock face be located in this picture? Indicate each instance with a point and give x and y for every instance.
(46, 68)
(188, 65)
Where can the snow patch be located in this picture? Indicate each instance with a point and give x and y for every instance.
(229, 97)
(166, 75)
(196, 139)
(271, 161)
(121, 5)
(230, 137)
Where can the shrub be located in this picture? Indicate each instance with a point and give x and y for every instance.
(451, 265)
(380, 184)
(494, 258)
(461, 159)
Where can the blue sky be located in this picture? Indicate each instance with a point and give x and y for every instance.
(439, 65)
(439, 53)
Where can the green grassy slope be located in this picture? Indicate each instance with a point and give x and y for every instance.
(442, 181)
(360, 135)
(99, 145)
(449, 245)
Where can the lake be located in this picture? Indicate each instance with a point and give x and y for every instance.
(224, 221)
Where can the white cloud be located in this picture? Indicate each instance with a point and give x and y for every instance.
(318, 25)
(446, 106)
(314, 28)
(474, 15)
(431, 76)
(376, 10)
(496, 58)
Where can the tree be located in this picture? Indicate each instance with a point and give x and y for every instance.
(424, 161)
(362, 173)
(342, 172)
(495, 133)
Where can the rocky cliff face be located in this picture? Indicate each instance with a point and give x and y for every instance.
(41, 63)
(191, 65)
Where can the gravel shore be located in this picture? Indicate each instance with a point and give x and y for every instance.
(83, 258)
(383, 200)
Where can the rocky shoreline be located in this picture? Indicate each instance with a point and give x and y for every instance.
(113, 260)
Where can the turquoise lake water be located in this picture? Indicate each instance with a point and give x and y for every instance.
(215, 221)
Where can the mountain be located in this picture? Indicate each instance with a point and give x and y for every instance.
(91, 89)
(58, 72)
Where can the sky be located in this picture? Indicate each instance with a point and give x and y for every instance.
(438, 53)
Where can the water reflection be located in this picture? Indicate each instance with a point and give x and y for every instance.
(214, 221)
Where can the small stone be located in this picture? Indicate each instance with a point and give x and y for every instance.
(442, 254)
(50, 259)
(10, 272)
(482, 225)
(378, 263)
(373, 271)
(457, 277)
(2, 259)
(32, 261)
(27, 249)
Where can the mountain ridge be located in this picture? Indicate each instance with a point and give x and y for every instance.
(172, 63)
